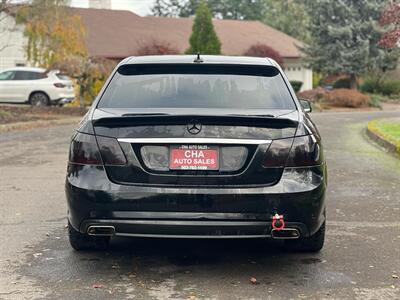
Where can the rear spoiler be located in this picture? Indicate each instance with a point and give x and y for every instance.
(229, 120)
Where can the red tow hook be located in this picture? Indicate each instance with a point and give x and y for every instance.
(278, 223)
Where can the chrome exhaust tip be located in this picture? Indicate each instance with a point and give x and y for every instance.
(100, 230)
(285, 234)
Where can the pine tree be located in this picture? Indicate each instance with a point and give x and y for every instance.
(203, 38)
(288, 16)
(345, 37)
(167, 8)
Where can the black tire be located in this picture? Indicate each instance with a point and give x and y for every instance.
(80, 241)
(39, 99)
(313, 243)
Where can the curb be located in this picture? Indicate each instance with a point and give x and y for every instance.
(38, 124)
(392, 148)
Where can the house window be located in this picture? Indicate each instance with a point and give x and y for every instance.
(20, 64)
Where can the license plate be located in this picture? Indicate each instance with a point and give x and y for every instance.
(194, 157)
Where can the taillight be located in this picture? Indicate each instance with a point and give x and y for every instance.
(277, 153)
(111, 151)
(293, 152)
(59, 85)
(84, 150)
(305, 152)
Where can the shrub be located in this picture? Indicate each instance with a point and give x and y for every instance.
(375, 101)
(261, 50)
(347, 98)
(316, 79)
(369, 85)
(296, 85)
(387, 87)
(342, 83)
(157, 48)
(314, 95)
(390, 87)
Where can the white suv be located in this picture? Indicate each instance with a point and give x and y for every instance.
(36, 86)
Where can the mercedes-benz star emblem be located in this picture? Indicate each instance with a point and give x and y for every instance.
(194, 127)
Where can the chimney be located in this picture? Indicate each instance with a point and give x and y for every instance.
(104, 4)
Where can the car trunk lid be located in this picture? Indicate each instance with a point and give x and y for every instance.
(155, 146)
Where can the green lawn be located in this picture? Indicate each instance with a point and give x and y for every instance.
(389, 129)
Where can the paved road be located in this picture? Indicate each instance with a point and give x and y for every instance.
(361, 254)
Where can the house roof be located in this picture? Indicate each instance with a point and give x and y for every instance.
(119, 33)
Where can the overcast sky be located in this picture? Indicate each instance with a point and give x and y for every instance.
(140, 7)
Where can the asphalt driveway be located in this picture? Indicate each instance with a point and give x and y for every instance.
(361, 259)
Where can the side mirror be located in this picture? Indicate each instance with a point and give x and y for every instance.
(306, 105)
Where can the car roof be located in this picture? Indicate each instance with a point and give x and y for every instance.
(30, 69)
(211, 59)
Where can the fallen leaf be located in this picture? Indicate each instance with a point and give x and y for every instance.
(97, 286)
(254, 280)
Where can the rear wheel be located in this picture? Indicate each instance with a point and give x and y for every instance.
(39, 99)
(313, 243)
(81, 241)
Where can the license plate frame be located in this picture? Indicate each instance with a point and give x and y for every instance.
(188, 160)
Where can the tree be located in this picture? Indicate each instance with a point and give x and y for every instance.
(261, 50)
(56, 39)
(391, 20)
(345, 38)
(168, 8)
(203, 39)
(223, 9)
(53, 34)
(155, 47)
(89, 73)
(288, 16)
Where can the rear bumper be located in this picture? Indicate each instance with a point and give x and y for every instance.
(198, 229)
(63, 100)
(195, 212)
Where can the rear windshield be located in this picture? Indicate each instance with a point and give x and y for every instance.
(197, 86)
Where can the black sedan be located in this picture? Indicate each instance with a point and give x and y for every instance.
(197, 147)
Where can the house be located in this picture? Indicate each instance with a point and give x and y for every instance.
(116, 34)
(12, 42)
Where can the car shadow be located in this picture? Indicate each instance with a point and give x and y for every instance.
(149, 264)
(205, 252)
